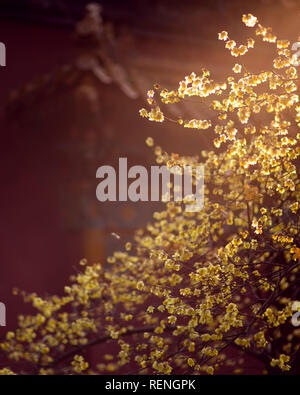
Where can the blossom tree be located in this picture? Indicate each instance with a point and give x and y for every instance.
(196, 291)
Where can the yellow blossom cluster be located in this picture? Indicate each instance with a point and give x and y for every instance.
(282, 362)
(79, 365)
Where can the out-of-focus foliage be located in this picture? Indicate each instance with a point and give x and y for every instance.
(196, 291)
